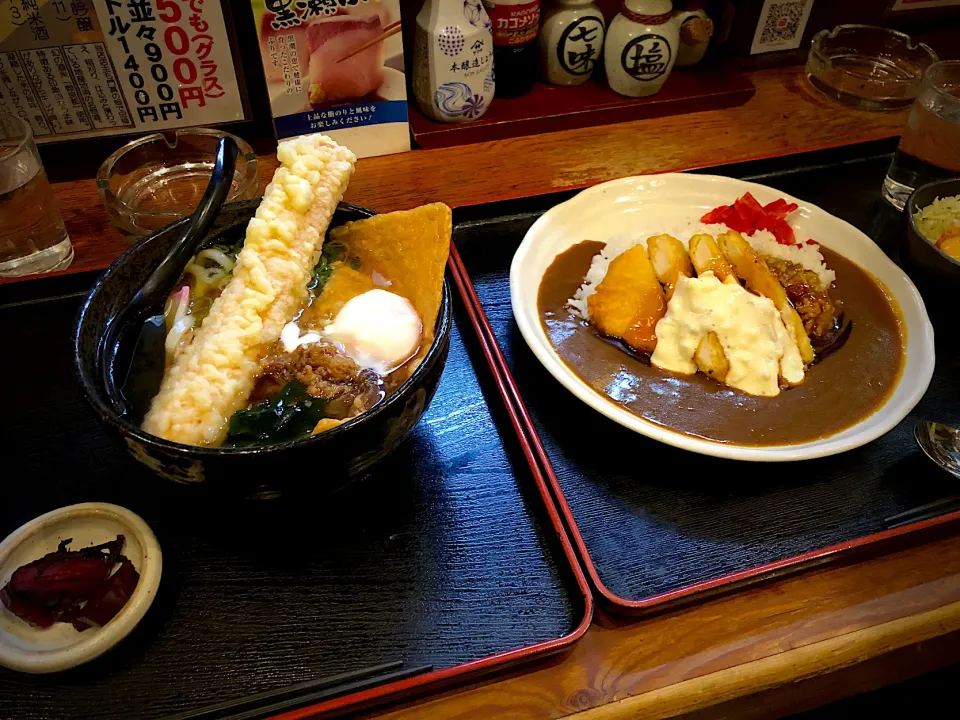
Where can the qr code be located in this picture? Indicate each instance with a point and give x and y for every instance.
(783, 22)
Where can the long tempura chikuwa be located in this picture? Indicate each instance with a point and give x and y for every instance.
(213, 376)
(283, 335)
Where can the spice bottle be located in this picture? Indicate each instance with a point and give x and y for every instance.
(453, 60)
(571, 41)
(642, 44)
(516, 61)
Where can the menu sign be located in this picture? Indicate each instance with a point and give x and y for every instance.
(336, 67)
(82, 68)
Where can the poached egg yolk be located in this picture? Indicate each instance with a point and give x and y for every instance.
(379, 330)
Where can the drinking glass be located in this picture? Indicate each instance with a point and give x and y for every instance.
(930, 145)
(32, 236)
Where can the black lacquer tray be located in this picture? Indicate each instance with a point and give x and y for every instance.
(450, 555)
(657, 526)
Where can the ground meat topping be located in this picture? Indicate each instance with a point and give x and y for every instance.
(327, 373)
(810, 299)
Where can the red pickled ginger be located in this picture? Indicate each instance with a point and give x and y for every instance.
(747, 215)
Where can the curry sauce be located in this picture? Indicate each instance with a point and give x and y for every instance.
(838, 392)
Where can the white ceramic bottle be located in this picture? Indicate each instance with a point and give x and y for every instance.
(695, 34)
(642, 45)
(453, 77)
(571, 41)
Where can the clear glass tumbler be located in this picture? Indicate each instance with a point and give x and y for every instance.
(32, 236)
(930, 145)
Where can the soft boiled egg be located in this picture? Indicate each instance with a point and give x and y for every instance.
(380, 330)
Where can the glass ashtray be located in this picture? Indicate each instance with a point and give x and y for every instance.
(159, 178)
(867, 67)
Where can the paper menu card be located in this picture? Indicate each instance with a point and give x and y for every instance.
(328, 70)
(87, 68)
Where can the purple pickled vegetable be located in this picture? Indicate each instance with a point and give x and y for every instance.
(85, 587)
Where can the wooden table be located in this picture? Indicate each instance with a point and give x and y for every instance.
(785, 116)
(781, 647)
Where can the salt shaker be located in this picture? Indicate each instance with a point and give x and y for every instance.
(453, 77)
(571, 41)
(642, 45)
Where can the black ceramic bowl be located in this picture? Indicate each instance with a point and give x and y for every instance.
(936, 274)
(324, 462)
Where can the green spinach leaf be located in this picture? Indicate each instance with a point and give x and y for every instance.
(333, 252)
(288, 415)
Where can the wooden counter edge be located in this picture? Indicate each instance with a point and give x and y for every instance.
(784, 117)
(792, 666)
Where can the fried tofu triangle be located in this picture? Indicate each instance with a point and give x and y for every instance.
(409, 248)
(629, 302)
(752, 269)
(706, 255)
(670, 261)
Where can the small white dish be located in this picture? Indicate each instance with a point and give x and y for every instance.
(641, 205)
(29, 649)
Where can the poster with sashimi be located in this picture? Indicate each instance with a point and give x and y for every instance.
(336, 67)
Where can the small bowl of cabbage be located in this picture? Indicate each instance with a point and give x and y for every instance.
(931, 254)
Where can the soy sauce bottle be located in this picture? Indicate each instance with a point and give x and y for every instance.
(516, 58)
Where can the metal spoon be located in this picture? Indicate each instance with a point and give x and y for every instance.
(138, 330)
(940, 443)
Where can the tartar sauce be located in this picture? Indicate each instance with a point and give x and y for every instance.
(748, 327)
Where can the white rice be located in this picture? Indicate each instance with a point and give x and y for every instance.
(762, 241)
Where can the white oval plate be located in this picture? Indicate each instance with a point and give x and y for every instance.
(641, 204)
(30, 649)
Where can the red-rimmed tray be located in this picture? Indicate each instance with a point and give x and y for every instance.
(408, 565)
(678, 527)
(530, 450)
